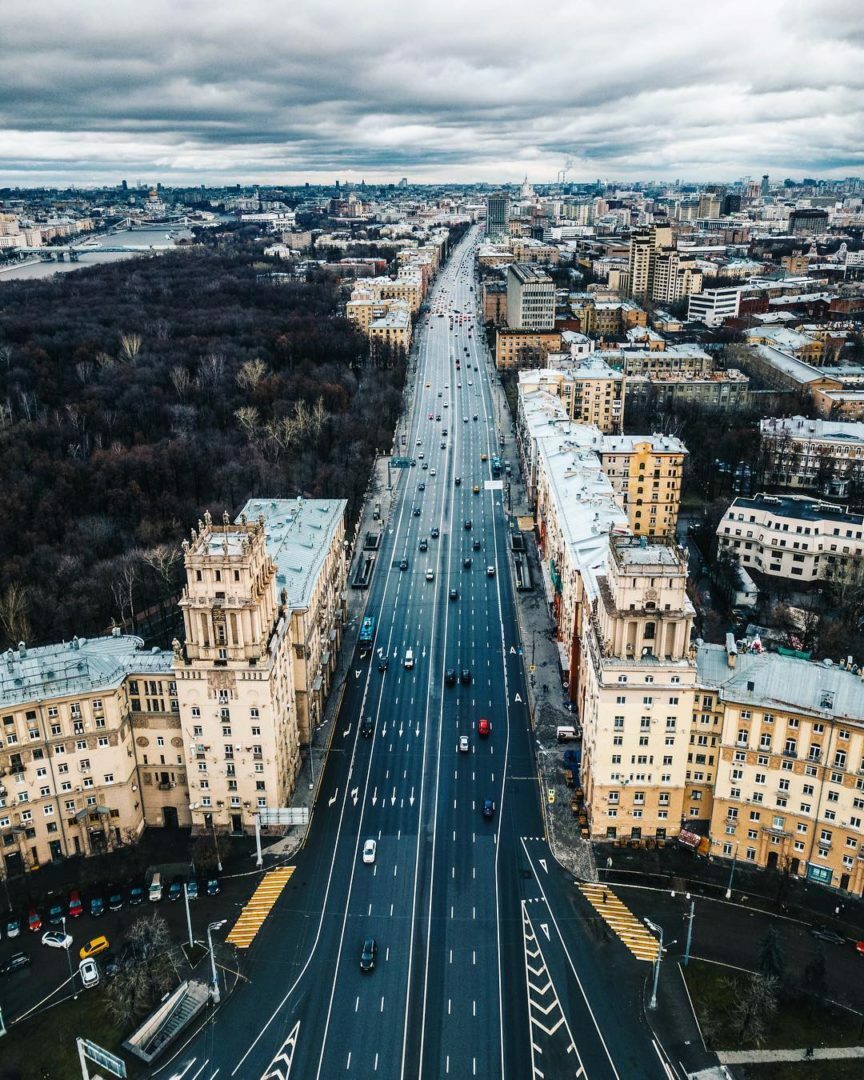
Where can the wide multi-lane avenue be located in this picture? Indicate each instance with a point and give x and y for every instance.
(486, 964)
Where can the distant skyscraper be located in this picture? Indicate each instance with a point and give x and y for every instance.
(764, 188)
(497, 214)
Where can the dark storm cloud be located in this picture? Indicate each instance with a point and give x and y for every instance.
(438, 90)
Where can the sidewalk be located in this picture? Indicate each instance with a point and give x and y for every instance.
(547, 698)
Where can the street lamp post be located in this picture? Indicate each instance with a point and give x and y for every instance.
(657, 930)
(732, 871)
(69, 958)
(216, 845)
(214, 926)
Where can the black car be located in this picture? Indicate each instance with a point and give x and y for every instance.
(368, 954)
(468, 523)
(436, 532)
(213, 886)
(421, 487)
(367, 727)
(454, 594)
(488, 808)
(450, 677)
(115, 898)
(465, 676)
(476, 545)
(109, 963)
(15, 962)
(56, 913)
(416, 511)
(458, 481)
(175, 889)
(97, 906)
(424, 544)
(384, 663)
(403, 565)
(467, 562)
(136, 895)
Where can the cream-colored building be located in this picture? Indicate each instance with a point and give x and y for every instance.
(70, 776)
(647, 473)
(591, 392)
(524, 348)
(789, 784)
(530, 298)
(794, 537)
(384, 322)
(821, 455)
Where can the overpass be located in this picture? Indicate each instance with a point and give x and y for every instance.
(75, 251)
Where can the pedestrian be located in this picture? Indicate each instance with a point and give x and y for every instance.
(604, 896)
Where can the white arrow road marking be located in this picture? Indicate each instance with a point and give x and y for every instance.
(346, 732)
(357, 674)
(332, 799)
(280, 1067)
(375, 796)
(393, 798)
(545, 928)
(411, 797)
(518, 699)
(354, 792)
(543, 864)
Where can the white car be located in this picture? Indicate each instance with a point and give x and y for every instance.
(89, 973)
(369, 849)
(464, 745)
(56, 939)
(430, 575)
(433, 472)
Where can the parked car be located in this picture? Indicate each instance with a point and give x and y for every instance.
(56, 939)
(55, 913)
(34, 920)
(13, 926)
(110, 965)
(175, 889)
(93, 947)
(137, 895)
(368, 954)
(192, 889)
(89, 973)
(16, 962)
(76, 908)
(115, 898)
(97, 906)
(213, 886)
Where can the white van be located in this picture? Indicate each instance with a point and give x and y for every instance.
(155, 891)
(567, 733)
(409, 659)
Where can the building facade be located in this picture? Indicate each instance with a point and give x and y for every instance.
(818, 455)
(530, 298)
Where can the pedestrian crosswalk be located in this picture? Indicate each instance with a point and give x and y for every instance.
(258, 908)
(621, 919)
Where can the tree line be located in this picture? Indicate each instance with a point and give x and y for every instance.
(135, 395)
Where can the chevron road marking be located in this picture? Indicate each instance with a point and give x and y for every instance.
(621, 919)
(543, 1000)
(258, 908)
(280, 1067)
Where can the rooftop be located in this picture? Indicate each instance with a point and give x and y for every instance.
(79, 666)
(789, 365)
(783, 682)
(298, 534)
(800, 427)
(796, 506)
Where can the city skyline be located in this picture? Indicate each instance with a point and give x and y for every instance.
(436, 93)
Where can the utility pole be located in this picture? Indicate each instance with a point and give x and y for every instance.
(188, 914)
(732, 871)
(69, 958)
(689, 919)
(259, 858)
(657, 930)
(214, 926)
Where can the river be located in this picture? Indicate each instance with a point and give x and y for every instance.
(91, 256)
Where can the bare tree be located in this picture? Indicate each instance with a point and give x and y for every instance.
(123, 586)
(14, 617)
(754, 1007)
(148, 970)
(249, 422)
(130, 346)
(251, 373)
(212, 370)
(162, 559)
(181, 380)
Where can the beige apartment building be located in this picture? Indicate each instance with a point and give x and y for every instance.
(727, 390)
(793, 536)
(789, 789)
(524, 348)
(408, 286)
(530, 298)
(646, 471)
(591, 392)
(820, 455)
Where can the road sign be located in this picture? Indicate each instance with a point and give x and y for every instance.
(86, 1049)
(284, 815)
(400, 463)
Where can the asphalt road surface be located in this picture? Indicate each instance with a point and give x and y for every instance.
(486, 964)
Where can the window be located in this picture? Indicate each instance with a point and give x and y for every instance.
(102, 740)
(109, 778)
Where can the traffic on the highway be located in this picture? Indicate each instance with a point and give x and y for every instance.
(426, 930)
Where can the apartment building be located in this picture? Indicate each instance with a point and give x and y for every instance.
(530, 298)
(591, 391)
(656, 270)
(494, 299)
(521, 348)
(70, 782)
(646, 473)
(408, 286)
(789, 787)
(674, 277)
(794, 536)
(802, 346)
(391, 330)
(727, 390)
(820, 455)
(686, 359)
(497, 214)
(635, 689)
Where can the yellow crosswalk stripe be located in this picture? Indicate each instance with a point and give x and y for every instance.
(258, 907)
(621, 919)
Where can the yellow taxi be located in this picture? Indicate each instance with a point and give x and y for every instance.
(484, 457)
(93, 947)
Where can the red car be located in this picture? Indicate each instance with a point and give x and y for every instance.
(34, 920)
(860, 947)
(484, 728)
(76, 908)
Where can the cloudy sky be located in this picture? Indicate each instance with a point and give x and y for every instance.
(294, 90)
